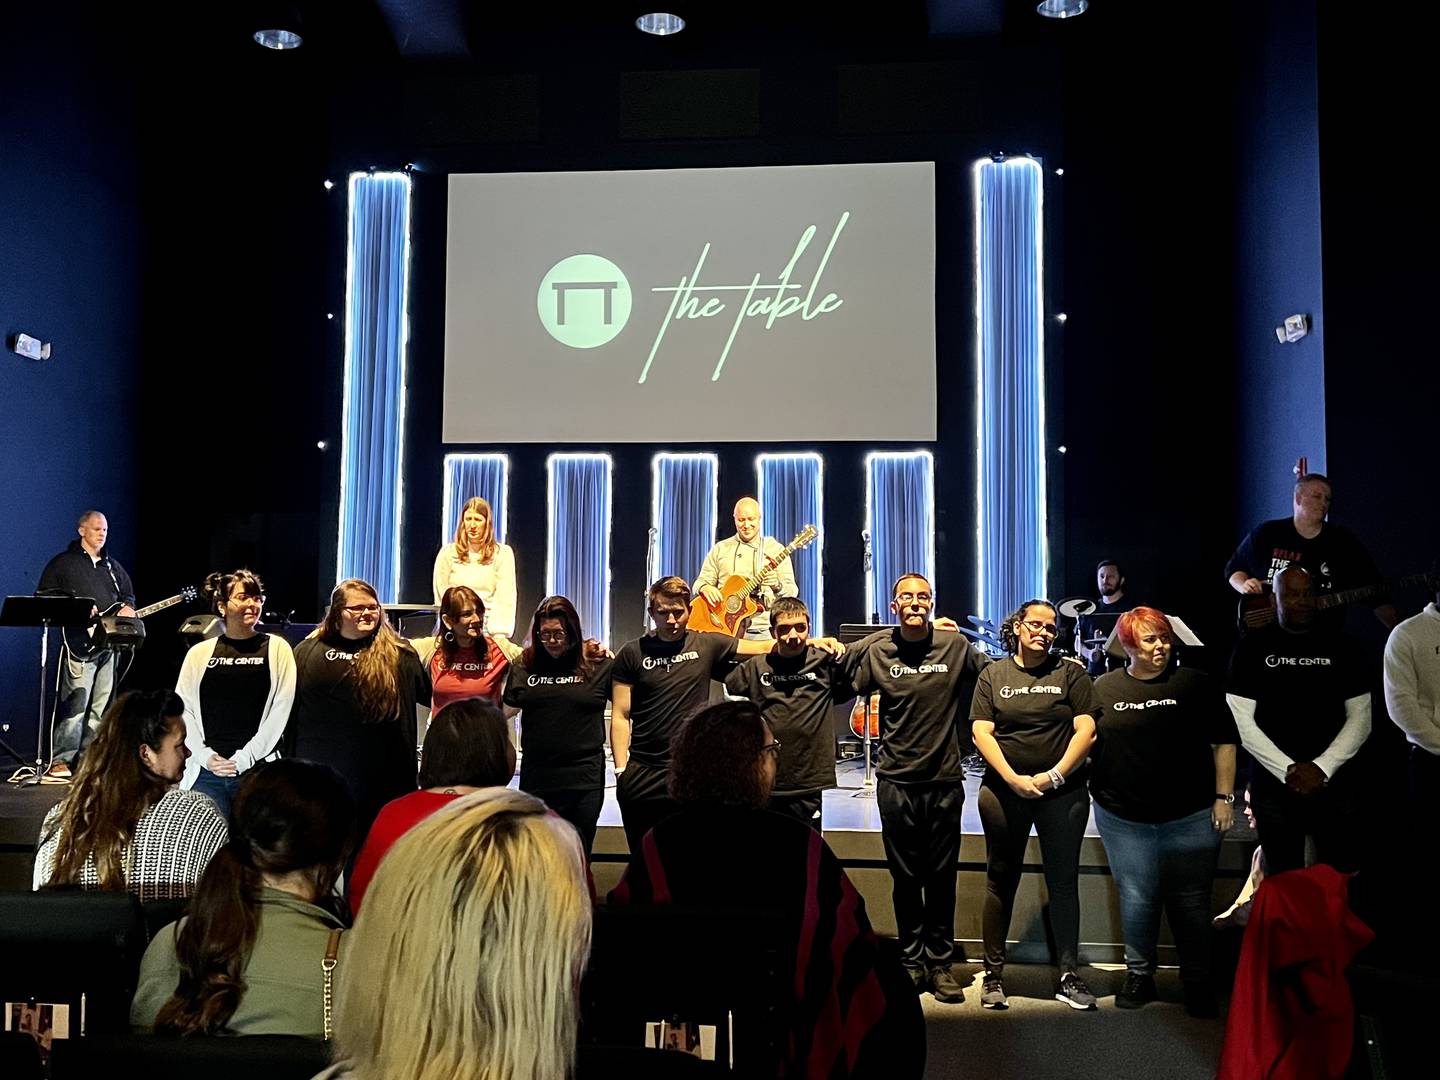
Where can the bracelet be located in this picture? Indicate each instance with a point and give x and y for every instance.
(1057, 778)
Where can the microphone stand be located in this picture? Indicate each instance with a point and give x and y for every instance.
(867, 789)
(650, 557)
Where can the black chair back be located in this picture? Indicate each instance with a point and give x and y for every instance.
(712, 967)
(73, 948)
(156, 1057)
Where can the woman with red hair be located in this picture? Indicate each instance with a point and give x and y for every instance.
(1163, 784)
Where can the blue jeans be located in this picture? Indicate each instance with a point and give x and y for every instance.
(85, 689)
(220, 789)
(1170, 864)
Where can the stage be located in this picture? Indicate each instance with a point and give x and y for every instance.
(851, 826)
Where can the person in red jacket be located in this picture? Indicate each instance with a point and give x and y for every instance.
(1291, 1016)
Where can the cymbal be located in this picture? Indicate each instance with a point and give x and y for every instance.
(1095, 642)
(1072, 607)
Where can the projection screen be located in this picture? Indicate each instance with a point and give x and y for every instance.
(766, 304)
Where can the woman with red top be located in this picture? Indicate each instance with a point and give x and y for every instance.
(467, 748)
(466, 662)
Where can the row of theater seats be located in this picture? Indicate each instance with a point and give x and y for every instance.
(712, 967)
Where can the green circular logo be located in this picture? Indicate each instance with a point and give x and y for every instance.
(584, 301)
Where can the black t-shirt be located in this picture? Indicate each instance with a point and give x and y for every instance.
(233, 692)
(1101, 621)
(1153, 761)
(1335, 559)
(1300, 683)
(922, 685)
(1033, 710)
(563, 725)
(668, 682)
(797, 695)
(377, 758)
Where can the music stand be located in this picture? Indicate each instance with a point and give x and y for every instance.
(44, 612)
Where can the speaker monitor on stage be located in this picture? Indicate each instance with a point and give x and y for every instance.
(119, 632)
(198, 628)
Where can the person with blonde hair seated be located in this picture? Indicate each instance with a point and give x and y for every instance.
(466, 959)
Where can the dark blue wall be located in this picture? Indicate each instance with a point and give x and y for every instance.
(1279, 390)
(70, 236)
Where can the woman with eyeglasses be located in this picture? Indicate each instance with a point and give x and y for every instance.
(1033, 719)
(358, 686)
(480, 562)
(560, 684)
(237, 689)
(854, 1011)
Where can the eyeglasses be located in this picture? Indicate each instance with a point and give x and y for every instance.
(555, 636)
(771, 747)
(1037, 627)
(363, 609)
(909, 597)
(260, 597)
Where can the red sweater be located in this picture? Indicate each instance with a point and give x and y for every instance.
(1291, 1017)
(396, 819)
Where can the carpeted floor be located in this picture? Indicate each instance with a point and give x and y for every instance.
(1039, 1037)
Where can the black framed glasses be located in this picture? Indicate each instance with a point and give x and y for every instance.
(1037, 627)
(362, 609)
(554, 637)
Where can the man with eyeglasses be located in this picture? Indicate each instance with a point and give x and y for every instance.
(659, 680)
(796, 686)
(924, 678)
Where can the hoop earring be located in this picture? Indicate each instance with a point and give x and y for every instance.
(449, 635)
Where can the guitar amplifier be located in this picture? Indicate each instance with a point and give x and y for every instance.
(119, 632)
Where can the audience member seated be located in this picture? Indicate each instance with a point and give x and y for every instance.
(467, 748)
(248, 958)
(467, 956)
(124, 824)
(854, 1011)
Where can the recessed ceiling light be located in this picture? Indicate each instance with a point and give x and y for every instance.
(1062, 9)
(278, 39)
(660, 23)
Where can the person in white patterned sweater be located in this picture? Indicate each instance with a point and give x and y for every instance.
(125, 826)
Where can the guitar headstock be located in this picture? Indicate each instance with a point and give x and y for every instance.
(804, 537)
(189, 594)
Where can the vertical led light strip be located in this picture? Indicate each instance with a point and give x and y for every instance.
(791, 491)
(684, 491)
(900, 517)
(1011, 533)
(377, 337)
(577, 555)
(467, 475)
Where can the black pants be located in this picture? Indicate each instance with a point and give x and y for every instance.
(1425, 790)
(644, 801)
(920, 826)
(804, 808)
(1331, 816)
(1060, 823)
(580, 807)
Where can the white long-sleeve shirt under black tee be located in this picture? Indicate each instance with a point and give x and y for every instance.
(1412, 678)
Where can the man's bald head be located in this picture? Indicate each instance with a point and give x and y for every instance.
(747, 519)
(1294, 597)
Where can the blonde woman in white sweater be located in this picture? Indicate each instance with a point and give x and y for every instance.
(479, 562)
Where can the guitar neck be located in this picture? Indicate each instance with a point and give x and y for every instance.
(1346, 596)
(161, 605)
(752, 583)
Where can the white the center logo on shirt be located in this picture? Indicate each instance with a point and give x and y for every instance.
(769, 679)
(1011, 691)
(1122, 706)
(1296, 661)
(897, 670)
(652, 662)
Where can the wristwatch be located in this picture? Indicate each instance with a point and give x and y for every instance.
(1225, 797)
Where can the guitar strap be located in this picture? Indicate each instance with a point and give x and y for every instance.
(109, 569)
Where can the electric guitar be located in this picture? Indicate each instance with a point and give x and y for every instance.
(187, 595)
(737, 594)
(1256, 610)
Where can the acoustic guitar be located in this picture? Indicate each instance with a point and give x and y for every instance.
(737, 594)
(1256, 610)
(865, 716)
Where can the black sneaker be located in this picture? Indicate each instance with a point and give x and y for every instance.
(945, 986)
(1200, 1000)
(919, 978)
(1075, 993)
(1139, 989)
(992, 993)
